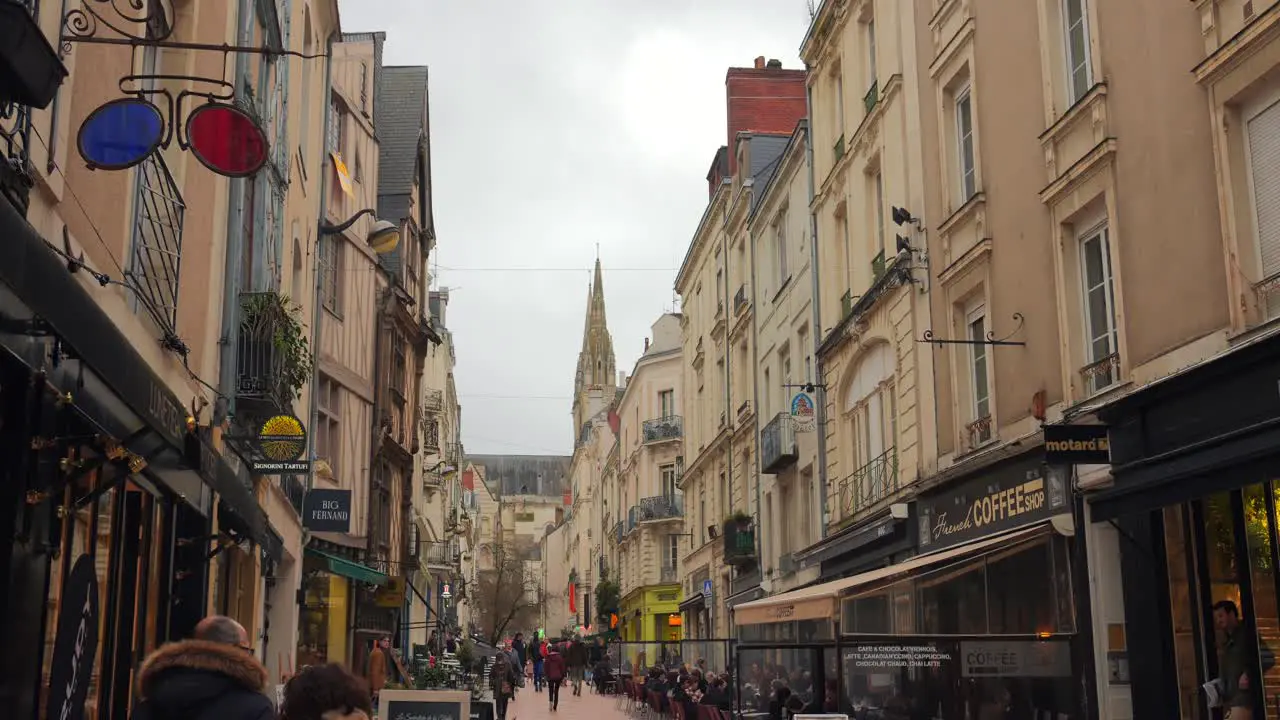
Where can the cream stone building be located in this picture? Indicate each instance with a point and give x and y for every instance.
(650, 453)
(783, 281)
(482, 506)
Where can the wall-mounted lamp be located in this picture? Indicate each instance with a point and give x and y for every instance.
(383, 235)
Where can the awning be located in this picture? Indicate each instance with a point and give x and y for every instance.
(40, 286)
(693, 603)
(349, 568)
(821, 602)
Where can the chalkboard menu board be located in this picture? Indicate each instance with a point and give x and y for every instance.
(482, 710)
(424, 705)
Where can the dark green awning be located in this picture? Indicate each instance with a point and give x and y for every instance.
(349, 568)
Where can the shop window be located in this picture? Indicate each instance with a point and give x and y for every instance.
(953, 600)
(1184, 612)
(1259, 535)
(1220, 549)
(1020, 593)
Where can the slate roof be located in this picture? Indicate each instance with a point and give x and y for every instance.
(402, 127)
(765, 159)
(545, 475)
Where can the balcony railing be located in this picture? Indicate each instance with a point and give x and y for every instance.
(872, 97)
(293, 489)
(838, 150)
(877, 266)
(663, 429)
(430, 434)
(453, 453)
(978, 432)
(740, 299)
(617, 531)
(661, 507)
(157, 241)
(440, 553)
(870, 483)
(266, 368)
(1101, 374)
(667, 574)
(778, 444)
(433, 401)
(846, 304)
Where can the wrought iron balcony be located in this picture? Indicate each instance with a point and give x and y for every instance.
(778, 444)
(872, 97)
(157, 241)
(433, 401)
(660, 507)
(663, 429)
(430, 434)
(617, 531)
(838, 150)
(439, 553)
(740, 299)
(453, 453)
(272, 357)
(667, 573)
(870, 483)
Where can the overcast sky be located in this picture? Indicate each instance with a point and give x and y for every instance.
(558, 125)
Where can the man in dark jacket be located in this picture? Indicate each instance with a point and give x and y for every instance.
(211, 677)
(554, 667)
(576, 658)
(1238, 669)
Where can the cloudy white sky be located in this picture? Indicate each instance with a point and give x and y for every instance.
(558, 125)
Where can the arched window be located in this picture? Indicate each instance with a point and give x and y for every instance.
(869, 430)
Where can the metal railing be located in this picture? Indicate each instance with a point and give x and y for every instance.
(740, 299)
(439, 553)
(430, 434)
(778, 444)
(433, 401)
(617, 531)
(870, 483)
(877, 266)
(662, 429)
(156, 260)
(838, 150)
(667, 573)
(1102, 373)
(261, 372)
(660, 507)
(872, 97)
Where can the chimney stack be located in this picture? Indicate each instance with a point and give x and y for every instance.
(774, 64)
(646, 344)
(760, 63)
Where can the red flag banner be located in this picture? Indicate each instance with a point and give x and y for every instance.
(573, 598)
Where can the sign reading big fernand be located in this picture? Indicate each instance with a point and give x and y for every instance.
(1009, 497)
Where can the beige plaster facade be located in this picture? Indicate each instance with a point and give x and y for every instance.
(865, 112)
(650, 453)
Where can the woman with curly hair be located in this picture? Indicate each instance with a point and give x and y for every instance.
(326, 692)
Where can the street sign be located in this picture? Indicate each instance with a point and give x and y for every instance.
(707, 588)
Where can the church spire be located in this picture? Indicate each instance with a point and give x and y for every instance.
(597, 372)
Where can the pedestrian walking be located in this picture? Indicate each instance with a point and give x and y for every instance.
(213, 676)
(326, 692)
(502, 678)
(539, 656)
(555, 671)
(576, 659)
(377, 667)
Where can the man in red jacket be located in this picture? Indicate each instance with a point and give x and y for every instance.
(554, 668)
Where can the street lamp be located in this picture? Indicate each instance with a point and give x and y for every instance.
(383, 236)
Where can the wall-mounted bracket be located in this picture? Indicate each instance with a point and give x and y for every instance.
(990, 339)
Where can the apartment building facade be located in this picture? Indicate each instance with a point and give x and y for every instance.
(650, 452)
(782, 285)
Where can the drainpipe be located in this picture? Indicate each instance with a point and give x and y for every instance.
(316, 311)
(379, 379)
(817, 334)
(755, 386)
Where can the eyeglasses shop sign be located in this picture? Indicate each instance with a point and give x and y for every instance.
(1011, 497)
(327, 511)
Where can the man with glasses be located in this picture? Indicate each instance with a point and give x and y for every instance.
(213, 676)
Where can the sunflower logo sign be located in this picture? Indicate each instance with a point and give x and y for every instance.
(282, 441)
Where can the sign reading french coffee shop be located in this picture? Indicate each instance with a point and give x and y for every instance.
(1009, 497)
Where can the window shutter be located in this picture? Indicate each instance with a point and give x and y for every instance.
(1264, 157)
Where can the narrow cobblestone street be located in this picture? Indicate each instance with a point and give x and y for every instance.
(530, 705)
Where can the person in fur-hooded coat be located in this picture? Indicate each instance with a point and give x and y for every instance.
(211, 677)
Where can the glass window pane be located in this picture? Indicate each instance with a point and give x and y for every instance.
(1266, 619)
(1020, 594)
(1092, 252)
(1220, 548)
(953, 600)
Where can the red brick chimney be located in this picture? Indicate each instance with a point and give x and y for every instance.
(765, 98)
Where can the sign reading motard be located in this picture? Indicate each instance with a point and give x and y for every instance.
(1006, 498)
(281, 444)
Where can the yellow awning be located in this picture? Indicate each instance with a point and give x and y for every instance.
(821, 602)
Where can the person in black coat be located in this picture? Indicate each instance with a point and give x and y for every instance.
(213, 676)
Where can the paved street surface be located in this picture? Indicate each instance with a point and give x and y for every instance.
(530, 705)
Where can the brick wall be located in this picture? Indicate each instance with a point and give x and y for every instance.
(763, 99)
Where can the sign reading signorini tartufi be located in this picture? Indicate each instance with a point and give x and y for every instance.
(327, 511)
(1076, 445)
(1012, 496)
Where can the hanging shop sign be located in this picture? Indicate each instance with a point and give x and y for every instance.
(327, 511)
(281, 443)
(1077, 445)
(804, 413)
(1010, 497)
(206, 117)
(76, 643)
(391, 594)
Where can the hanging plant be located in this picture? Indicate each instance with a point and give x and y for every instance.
(288, 336)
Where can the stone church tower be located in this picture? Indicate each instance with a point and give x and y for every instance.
(596, 383)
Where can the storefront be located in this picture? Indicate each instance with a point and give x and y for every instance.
(330, 585)
(878, 541)
(982, 623)
(1194, 496)
(102, 471)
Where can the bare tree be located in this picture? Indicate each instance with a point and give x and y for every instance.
(506, 594)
